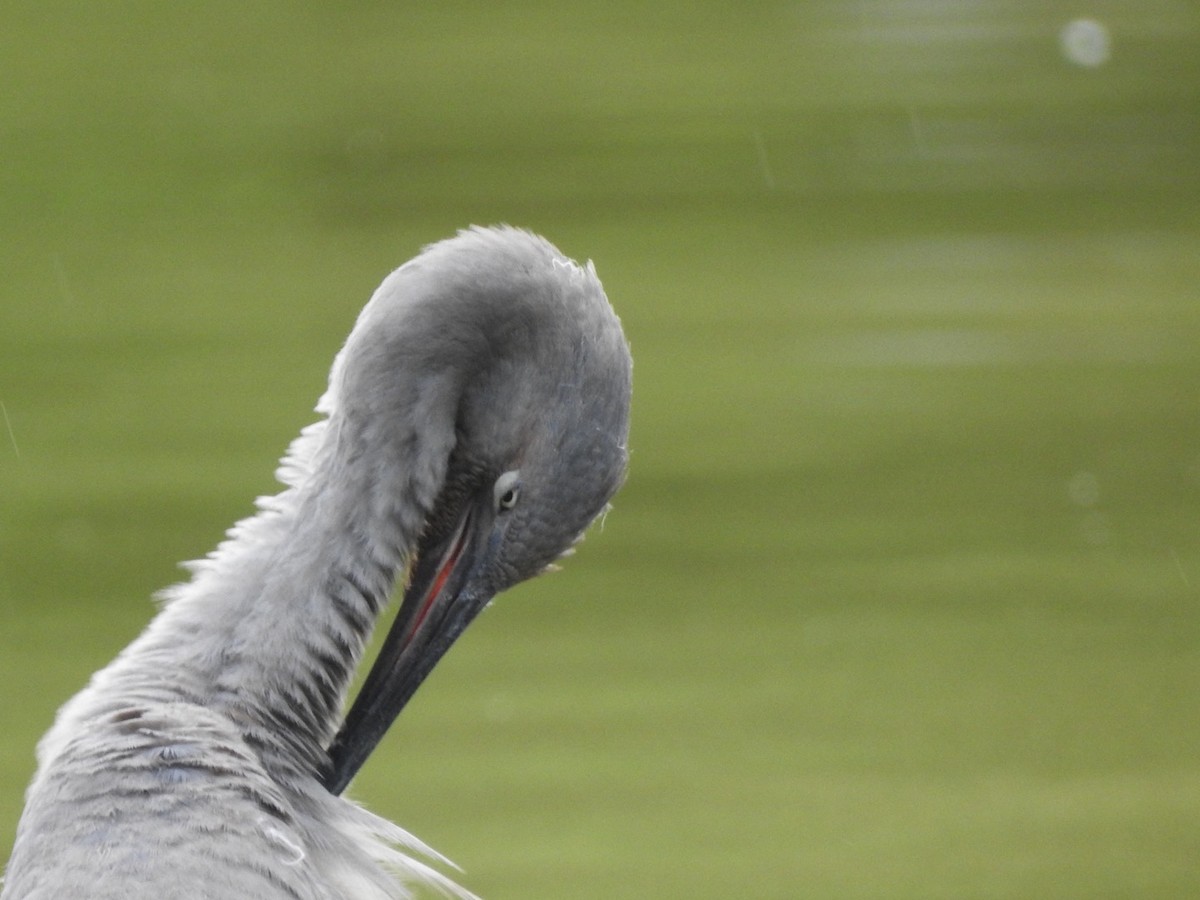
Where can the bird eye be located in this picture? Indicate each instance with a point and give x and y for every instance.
(507, 490)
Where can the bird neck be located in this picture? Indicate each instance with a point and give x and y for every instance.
(271, 626)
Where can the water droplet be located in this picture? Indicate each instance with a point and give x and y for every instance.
(1084, 489)
(1095, 529)
(293, 853)
(1085, 42)
(499, 708)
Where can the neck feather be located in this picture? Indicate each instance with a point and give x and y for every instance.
(272, 624)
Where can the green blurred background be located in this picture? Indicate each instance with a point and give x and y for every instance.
(901, 597)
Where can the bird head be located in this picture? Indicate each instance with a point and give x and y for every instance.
(510, 429)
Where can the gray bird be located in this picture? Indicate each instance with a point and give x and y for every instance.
(475, 424)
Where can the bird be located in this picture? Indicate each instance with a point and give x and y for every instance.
(475, 424)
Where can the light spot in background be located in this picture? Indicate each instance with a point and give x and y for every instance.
(764, 165)
(918, 348)
(11, 435)
(499, 708)
(1085, 42)
(366, 147)
(1187, 582)
(1084, 489)
(918, 135)
(64, 283)
(1095, 529)
(77, 537)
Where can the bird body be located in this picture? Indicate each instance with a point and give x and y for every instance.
(475, 423)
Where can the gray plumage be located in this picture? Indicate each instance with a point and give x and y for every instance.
(475, 424)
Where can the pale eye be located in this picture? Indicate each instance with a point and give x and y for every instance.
(507, 490)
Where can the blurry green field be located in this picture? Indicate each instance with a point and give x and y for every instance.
(902, 597)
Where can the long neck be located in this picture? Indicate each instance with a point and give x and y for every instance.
(271, 626)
